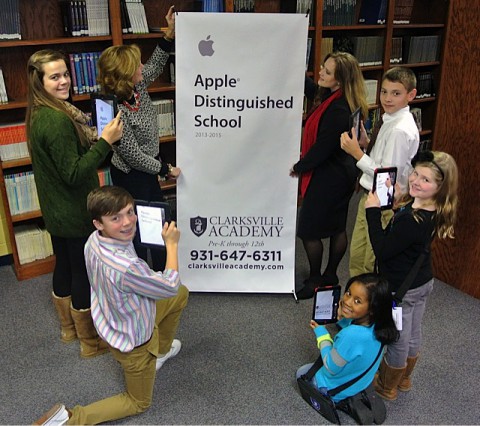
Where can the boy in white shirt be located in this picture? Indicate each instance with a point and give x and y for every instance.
(396, 143)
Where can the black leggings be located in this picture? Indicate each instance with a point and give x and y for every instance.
(142, 186)
(70, 274)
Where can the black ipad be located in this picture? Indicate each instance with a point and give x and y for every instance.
(384, 180)
(325, 304)
(104, 110)
(151, 216)
(355, 123)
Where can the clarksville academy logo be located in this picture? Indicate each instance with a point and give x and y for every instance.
(205, 47)
(198, 225)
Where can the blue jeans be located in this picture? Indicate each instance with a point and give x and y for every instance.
(303, 370)
(413, 308)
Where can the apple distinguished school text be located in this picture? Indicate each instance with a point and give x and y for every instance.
(215, 84)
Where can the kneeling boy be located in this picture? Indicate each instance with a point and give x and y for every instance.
(135, 309)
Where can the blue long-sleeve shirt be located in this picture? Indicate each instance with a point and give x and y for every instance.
(353, 350)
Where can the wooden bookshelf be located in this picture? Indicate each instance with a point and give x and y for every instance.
(42, 27)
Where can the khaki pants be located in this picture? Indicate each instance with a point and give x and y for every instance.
(362, 258)
(138, 368)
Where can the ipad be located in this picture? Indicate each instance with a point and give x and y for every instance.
(104, 110)
(384, 180)
(151, 215)
(355, 123)
(325, 304)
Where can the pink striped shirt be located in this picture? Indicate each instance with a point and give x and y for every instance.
(123, 291)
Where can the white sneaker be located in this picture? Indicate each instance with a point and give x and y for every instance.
(56, 416)
(174, 350)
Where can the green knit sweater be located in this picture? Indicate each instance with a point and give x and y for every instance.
(65, 172)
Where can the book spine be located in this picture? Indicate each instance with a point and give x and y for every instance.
(73, 73)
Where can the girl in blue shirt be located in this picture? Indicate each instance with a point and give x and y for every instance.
(366, 323)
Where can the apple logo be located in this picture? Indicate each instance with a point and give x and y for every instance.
(205, 47)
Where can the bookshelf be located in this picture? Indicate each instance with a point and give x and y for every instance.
(42, 26)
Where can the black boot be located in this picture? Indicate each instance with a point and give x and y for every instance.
(308, 289)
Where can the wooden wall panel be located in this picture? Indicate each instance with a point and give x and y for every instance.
(457, 132)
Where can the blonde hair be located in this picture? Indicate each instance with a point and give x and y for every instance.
(349, 75)
(445, 172)
(37, 95)
(116, 67)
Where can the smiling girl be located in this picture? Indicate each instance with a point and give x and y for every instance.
(428, 209)
(365, 320)
(65, 154)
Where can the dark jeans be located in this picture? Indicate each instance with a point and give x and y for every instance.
(70, 274)
(142, 186)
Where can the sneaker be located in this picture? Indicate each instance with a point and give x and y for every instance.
(174, 350)
(56, 416)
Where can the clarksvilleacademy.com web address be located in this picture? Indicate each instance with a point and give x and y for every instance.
(220, 265)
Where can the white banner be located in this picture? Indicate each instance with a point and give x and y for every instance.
(239, 97)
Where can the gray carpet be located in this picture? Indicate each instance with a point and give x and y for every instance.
(237, 364)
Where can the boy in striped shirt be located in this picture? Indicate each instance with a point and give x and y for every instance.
(134, 309)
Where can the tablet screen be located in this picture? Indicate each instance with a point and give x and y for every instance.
(384, 186)
(150, 224)
(104, 113)
(325, 304)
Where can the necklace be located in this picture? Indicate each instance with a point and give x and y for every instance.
(135, 107)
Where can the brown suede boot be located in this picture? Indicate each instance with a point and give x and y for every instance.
(387, 381)
(90, 343)
(62, 306)
(406, 383)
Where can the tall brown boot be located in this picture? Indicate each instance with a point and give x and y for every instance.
(387, 381)
(406, 383)
(90, 343)
(62, 306)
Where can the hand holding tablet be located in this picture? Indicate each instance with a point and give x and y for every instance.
(106, 117)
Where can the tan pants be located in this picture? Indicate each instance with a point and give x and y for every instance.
(362, 259)
(138, 368)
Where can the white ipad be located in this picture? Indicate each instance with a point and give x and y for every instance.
(151, 218)
(325, 304)
(104, 110)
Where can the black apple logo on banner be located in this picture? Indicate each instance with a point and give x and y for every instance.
(205, 47)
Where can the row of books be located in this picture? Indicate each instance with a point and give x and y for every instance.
(403, 11)
(309, 51)
(373, 117)
(371, 87)
(133, 16)
(13, 142)
(368, 50)
(33, 243)
(425, 145)
(305, 7)
(104, 176)
(373, 12)
(83, 18)
(422, 48)
(21, 192)
(84, 72)
(10, 20)
(339, 12)
(3, 89)
(244, 6)
(425, 85)
(165, 116)
(417, 116)
(211, 5)
(415, 49)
